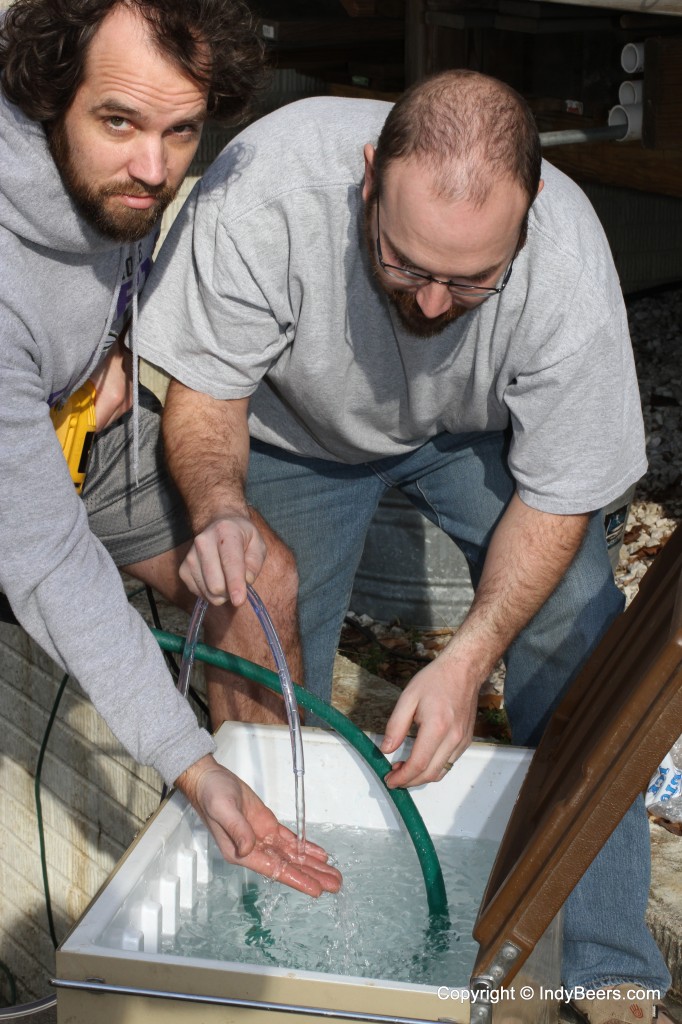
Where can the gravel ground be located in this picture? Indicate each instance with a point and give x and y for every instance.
(656, 328)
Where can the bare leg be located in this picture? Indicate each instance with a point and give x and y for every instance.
(231, 698)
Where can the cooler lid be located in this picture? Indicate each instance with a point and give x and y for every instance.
(600, 749)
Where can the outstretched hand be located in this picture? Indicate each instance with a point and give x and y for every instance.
(248, 833)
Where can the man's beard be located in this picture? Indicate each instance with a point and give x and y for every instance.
(412, 318)
(404, 302)
(122, 224)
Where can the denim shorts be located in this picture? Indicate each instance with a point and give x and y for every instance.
(134, 521)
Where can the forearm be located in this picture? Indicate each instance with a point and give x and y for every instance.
(207, 450)
(528, 555)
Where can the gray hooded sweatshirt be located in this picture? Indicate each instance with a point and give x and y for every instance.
(64, 294)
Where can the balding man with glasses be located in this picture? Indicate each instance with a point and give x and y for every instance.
(437, 312)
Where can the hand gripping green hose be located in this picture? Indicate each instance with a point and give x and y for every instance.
(428, 859)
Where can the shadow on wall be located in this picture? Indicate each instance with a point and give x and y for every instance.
(94, 799)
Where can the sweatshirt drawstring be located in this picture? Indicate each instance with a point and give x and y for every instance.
(132, 334)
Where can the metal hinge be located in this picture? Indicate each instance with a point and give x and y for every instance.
(482, 985)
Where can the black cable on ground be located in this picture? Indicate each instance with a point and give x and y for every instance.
(153, 608)
(30, 1009)
(12, 983)
(39, 809)
(201, 704)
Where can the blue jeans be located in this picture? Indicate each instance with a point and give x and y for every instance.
(322, 511)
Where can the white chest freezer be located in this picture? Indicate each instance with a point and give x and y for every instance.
(114, 967)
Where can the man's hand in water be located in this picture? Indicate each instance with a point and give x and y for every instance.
(248, 833)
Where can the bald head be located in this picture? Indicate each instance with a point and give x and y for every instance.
(467, 131)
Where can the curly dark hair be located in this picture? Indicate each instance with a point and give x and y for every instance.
(44, 43)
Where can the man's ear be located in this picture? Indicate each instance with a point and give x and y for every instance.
(369, 152)
(540, 188)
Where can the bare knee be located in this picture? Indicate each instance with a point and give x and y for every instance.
(279, 575)
(277, 583)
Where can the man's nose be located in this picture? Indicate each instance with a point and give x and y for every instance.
(434, 299)
(148, 163)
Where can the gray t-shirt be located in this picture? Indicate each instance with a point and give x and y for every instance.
(264, 288)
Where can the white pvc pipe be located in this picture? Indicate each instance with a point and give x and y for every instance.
(631, 92)
(630, 116)
(632, 58)
(572, 136)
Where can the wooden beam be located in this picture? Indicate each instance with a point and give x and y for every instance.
(374, 8)
(662, 112)
(316, 32)
(641, 6)
(512, 23)
(624, 164)
(415, 41)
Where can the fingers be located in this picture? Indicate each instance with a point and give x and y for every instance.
(435, 741)
(313, 861)
(445, 716)
(311, 879)
(224, 557)
(278, 859)
(440, 741)
(399, 723)
(426, 763)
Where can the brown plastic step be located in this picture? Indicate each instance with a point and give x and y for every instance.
(620, 717)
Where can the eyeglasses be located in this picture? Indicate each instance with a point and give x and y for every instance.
(419, 278)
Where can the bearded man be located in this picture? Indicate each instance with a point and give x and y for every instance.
(102, 108)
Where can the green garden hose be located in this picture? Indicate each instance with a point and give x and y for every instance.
(428, 859)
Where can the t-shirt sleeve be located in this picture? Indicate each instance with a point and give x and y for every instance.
(578, 436)
(204, 318)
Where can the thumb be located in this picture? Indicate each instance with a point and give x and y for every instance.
(232, 832)
(242, 836)
(398, 726)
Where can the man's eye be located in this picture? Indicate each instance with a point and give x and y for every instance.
(185, 129)
(117, 122)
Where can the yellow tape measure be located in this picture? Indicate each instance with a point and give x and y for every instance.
(75, 425)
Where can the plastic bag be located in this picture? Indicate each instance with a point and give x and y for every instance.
(663, 797)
